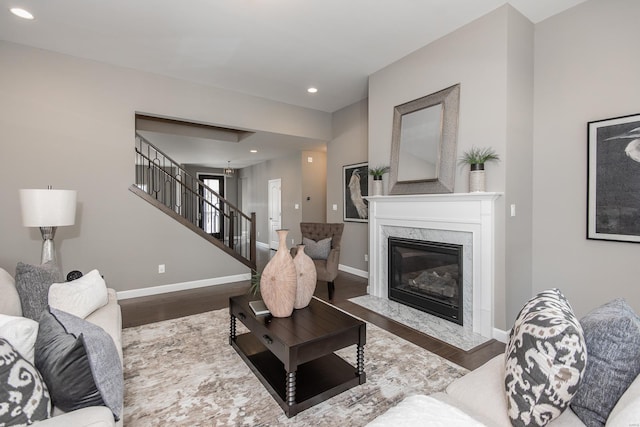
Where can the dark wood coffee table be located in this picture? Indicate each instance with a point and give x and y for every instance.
(294, 356)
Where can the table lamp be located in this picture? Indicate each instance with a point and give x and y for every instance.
(48, 209)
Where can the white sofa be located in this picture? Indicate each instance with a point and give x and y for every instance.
(554, 364)
(109, 318)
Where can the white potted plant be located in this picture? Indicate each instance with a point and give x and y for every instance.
(476, 158)
(377, 174)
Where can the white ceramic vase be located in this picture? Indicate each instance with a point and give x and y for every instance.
(278, 281)
(307, 276)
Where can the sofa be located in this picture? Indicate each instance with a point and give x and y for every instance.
(105, 318)
(594, 384)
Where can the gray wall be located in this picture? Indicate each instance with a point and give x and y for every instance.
(348, 146)
(70, 123)
(586, 68)
(314, 186)
(476, 56)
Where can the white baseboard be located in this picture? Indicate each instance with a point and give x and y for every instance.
(163, 289)
(354, 271)
(500, 335)
(262, 245)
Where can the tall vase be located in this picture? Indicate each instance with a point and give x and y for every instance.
(307, 275)
(476, 178)
(278, 281)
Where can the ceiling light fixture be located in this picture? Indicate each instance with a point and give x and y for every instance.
(312, 90)
(228, 170)
(24, 14)
(253, 151)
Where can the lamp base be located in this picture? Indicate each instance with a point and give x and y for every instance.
(48, 248)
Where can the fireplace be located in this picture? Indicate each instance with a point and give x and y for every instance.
(427, 276)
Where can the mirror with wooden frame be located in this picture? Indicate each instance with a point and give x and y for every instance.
(424, 141)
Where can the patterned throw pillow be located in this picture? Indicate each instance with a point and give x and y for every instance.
(317, 250)
(612, 335)
(24, 397)
(545, 360)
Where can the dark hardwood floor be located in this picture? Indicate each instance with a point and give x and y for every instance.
(143, 310)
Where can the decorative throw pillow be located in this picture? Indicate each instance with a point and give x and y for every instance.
(21, 333)
(545, 360)
(79, 362)
(24, 398)
(80, 297)
(612, 335)
(32, 283)
(10, 301)
(317, 250)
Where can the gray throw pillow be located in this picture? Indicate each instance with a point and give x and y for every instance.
(24, 397)
(612, 335)
(32, 284)
(80, 363)
(317, 250)
(545, 360)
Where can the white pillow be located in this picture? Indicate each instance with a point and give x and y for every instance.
(627, 410)
(80, 297)
(21, 333)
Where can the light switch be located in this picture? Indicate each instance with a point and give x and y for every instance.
(335, 207)
(513, 210)
(296, 206)
(309, 159)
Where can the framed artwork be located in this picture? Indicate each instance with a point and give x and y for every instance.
(613, 199)
(355, 187)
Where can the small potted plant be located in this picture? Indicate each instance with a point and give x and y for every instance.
(377, 173)
(476, 158)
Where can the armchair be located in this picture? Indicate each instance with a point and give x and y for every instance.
(327, 269)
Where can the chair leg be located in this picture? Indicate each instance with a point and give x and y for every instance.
(331, 287)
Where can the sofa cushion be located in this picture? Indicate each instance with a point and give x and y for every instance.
(32, 283)
(317, 250)
(10, 301)
(79, 362)
(627, 410)
(79, 297)
(24, 398)
(21, 333)
(612, 335)
(545, 360)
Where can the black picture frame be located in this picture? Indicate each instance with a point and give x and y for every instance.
(613, 200)
(355, 186)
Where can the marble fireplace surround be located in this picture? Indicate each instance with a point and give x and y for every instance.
(466, 219)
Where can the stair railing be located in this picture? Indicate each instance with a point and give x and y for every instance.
(169, 184)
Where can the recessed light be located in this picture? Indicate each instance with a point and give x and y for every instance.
(253, 151)
(312, 90)
(21, 13)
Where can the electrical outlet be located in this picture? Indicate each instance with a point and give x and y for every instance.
(513, 210)
(366, 257)
(161, 268)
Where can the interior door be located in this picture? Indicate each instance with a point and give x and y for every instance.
(275, 211)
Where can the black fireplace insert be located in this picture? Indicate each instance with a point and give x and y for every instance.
(427, 276)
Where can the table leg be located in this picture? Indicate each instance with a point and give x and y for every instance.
(291, 388)
(232, 329)
(360, 359)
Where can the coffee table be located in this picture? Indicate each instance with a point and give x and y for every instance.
(294, 356)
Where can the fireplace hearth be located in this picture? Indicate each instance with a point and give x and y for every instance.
(427, 276)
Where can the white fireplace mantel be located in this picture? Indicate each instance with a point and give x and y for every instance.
(472, 213)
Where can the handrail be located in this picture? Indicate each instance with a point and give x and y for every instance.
(163, 179)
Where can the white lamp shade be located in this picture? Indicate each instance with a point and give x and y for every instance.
(48, 208)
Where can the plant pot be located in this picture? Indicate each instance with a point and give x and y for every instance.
(477, 178)
(278, 282)
(306, 276)
(377, 187)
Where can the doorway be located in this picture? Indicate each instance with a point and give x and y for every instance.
(211, 218)
(275, 211)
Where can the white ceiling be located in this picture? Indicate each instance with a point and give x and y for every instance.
(273, 49)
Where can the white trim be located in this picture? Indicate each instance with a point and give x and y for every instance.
(163, 289)
(262, 245)
(354, 271)
(500, 335)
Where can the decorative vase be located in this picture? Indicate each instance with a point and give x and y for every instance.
(377, 187)
(307, 275)
(278, 282)
(476, 178)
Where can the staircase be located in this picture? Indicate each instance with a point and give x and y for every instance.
(167, 186)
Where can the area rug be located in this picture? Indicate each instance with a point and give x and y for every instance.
(183, 372)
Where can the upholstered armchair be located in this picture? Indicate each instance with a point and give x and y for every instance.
(326, 268)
